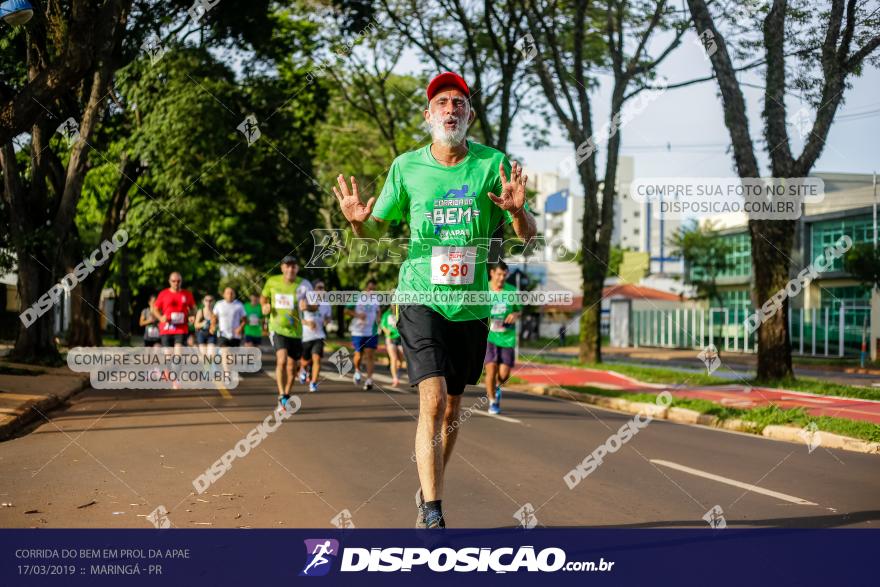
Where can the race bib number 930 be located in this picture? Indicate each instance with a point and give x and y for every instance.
(453, 265)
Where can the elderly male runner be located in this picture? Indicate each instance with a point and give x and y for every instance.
(454, 193)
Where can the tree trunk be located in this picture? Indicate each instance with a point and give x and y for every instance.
(590, 346)
(85, 314)
(771, 244)
(123, 301)
(35, 343)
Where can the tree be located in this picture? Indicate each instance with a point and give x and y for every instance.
(43, 182)
(814, 51)
(575, 39)
(706, 256)
(863, 263)
(42, 195)
(482, 42)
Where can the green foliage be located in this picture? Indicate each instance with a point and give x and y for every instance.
(351, 143)
(863, 263)
(761, 417)
(706, 257)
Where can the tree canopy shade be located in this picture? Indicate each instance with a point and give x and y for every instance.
(803, 50)
(154, 145)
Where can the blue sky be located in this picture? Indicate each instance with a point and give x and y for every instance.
(691, 121)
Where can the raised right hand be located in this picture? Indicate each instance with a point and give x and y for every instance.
(355, 211)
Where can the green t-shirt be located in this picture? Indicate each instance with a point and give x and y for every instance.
(389, 324)
(445, 207)
(284, 297)
(501, 334)
(253, 320)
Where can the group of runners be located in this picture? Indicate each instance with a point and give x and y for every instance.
(454, 193)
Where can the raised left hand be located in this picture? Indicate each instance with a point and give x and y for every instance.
(513, 192)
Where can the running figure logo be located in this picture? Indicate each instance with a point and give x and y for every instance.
(715, 518)
(320, 553)
(526, 516)
(250, 128)
(342, 359)
(69, 130)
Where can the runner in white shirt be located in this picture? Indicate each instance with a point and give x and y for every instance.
(230, 316)
(313, 338)
(364, 335)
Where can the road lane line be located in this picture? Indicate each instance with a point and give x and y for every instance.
(497, 416)
(223, 391)
(735, 483)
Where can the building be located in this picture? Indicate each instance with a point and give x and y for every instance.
(834, 307)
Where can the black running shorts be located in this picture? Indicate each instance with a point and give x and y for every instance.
(293, 346)
(312, 348)
(435, 346)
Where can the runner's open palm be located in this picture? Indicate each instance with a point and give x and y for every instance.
(350, 201)
(513, 192)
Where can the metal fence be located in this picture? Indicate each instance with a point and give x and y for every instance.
(829, 331)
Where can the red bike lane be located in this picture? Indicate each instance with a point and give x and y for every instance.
(734, 396)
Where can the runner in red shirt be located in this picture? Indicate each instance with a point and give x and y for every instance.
(173, 308)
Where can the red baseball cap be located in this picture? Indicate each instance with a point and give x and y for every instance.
(445, 80)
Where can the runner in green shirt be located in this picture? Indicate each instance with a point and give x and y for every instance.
(393, 344)
(253, 328)
(282, 298)
(501, 344)
(453, 193)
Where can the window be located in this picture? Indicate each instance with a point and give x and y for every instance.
(825, 234)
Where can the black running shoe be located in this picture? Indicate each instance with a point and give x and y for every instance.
(434, 519)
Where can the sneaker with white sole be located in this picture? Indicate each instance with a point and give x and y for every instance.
(313, 386)
(357, 377)
(368, 384)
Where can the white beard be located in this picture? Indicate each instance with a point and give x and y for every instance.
(445, 137)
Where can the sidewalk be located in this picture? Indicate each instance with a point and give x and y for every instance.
(734, 396)
(24, 396)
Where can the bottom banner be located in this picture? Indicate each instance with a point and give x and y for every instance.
(469, 557)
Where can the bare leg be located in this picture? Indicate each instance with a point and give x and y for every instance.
(280, 360)
(291, 374)
(357, 361)
(316, 367)
(429, 437)
(503, 373)
(450, 426)
(371, 361)
(392, 357)
(491, 373)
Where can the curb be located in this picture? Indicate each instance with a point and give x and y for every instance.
(693, 417)
(29, 407)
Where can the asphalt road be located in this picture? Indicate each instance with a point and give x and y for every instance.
(112, 457)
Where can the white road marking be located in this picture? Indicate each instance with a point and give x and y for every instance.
(735, 483)
(497, 416)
